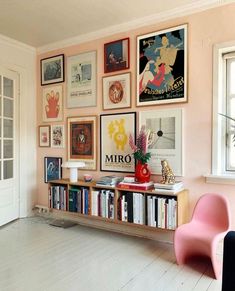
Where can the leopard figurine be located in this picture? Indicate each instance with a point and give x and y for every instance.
(168, 176)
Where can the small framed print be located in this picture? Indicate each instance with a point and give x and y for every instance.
(44, 135)
(52, 70)
(52, 104)
(82, 145)
(116, 55)
(116, 154)
(162, 67)
(52, 169)
(57, 136)
(116, 91)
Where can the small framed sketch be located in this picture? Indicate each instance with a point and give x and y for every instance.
(167, 140)
(52, 169)
(82, 145)
(116, 154)
(52, 104)
(57, 136)
(116, 55)
(44, 135)
(52, 70)
(162, 66)
(116, 91)
(81, 70)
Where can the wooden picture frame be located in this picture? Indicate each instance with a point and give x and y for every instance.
(52, 70)
(52, 103)
(57, 136)
(82, 144)
(81, 81)
(52, 169)
(162, 67)
(115, 152)
(117, 55)
(44, 135)
(117, 91)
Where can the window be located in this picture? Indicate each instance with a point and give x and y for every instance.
(223, 145)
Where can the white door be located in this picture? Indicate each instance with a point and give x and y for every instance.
(9, 176)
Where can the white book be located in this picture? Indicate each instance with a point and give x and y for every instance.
(163, 212)
(175, 186)
(166, 191)
(135, 207)
(107, 203)
(149, 210)
(122, 208)
(94, 202)
(159, 213)
(153, 212)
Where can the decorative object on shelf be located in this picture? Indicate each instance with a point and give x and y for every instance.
(73, 167)
(168, 176)
(143, 140)
(87, 178)
(116, 55)
(166, 127)
(52, 169)
(52, 104)
(57, 136)
(52, 70)
(116, 91)
(162, 66)
(81, 71)
(115, 151)
(44, 135)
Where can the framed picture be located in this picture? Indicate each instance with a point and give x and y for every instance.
(82, 133)
(115, 151)
(57, 136)
(52, 70)
(81, 70)
(116, 55)
(44, 135)
(52, 104)
(167, 138)
(52, 169)
(116, 91)
(162, 66)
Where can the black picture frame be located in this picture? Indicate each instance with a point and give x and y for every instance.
(115, 152)
(52, 168)
(52, 70)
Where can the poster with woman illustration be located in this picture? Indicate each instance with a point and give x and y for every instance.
(162, 66)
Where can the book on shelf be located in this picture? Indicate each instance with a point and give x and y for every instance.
(177, 185)
(166, 191)
(129, 179)
(111, 181)
(136, 185)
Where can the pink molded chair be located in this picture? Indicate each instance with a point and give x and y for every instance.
(209, 224)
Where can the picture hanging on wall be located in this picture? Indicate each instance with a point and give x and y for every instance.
(81, 70)
(52, 70)
(115, 151)
(52, 104)
(116, 55)
(82, 133)
(57, 136)
(52, 169)
(166, 130)
(162, 66)
(44, 135)
(116, 91)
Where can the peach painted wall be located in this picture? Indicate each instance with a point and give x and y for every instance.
(204, 30)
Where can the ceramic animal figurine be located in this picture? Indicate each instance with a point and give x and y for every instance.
(168, 176)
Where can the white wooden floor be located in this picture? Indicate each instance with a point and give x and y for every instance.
(35, 256)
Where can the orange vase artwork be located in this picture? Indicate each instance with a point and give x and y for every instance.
(52, 103)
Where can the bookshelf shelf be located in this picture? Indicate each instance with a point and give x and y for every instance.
(130, 211)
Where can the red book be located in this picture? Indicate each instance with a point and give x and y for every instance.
(136, 186)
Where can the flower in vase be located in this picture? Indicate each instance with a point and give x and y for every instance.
(143, 140)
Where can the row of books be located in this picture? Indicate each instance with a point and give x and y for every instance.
(161, 212)
(58, 197)
(102, 203)
(131, 207)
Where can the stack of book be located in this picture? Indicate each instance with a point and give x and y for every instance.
(102, 203)
(135, 185)
(110, 181)
(161, 188)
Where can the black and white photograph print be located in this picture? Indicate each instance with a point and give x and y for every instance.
(52, 70)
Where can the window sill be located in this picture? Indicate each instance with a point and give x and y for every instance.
(220, 179)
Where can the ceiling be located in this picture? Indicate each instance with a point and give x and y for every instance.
(42, 22)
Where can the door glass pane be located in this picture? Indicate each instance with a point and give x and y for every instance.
(8, 107)
(7, 87)
(7, 169)
(8, 149)
(8, 128)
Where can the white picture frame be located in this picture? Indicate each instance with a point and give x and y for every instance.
(81, 81)
(166, 126)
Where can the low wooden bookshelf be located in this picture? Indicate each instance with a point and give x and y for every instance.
(130, 211)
